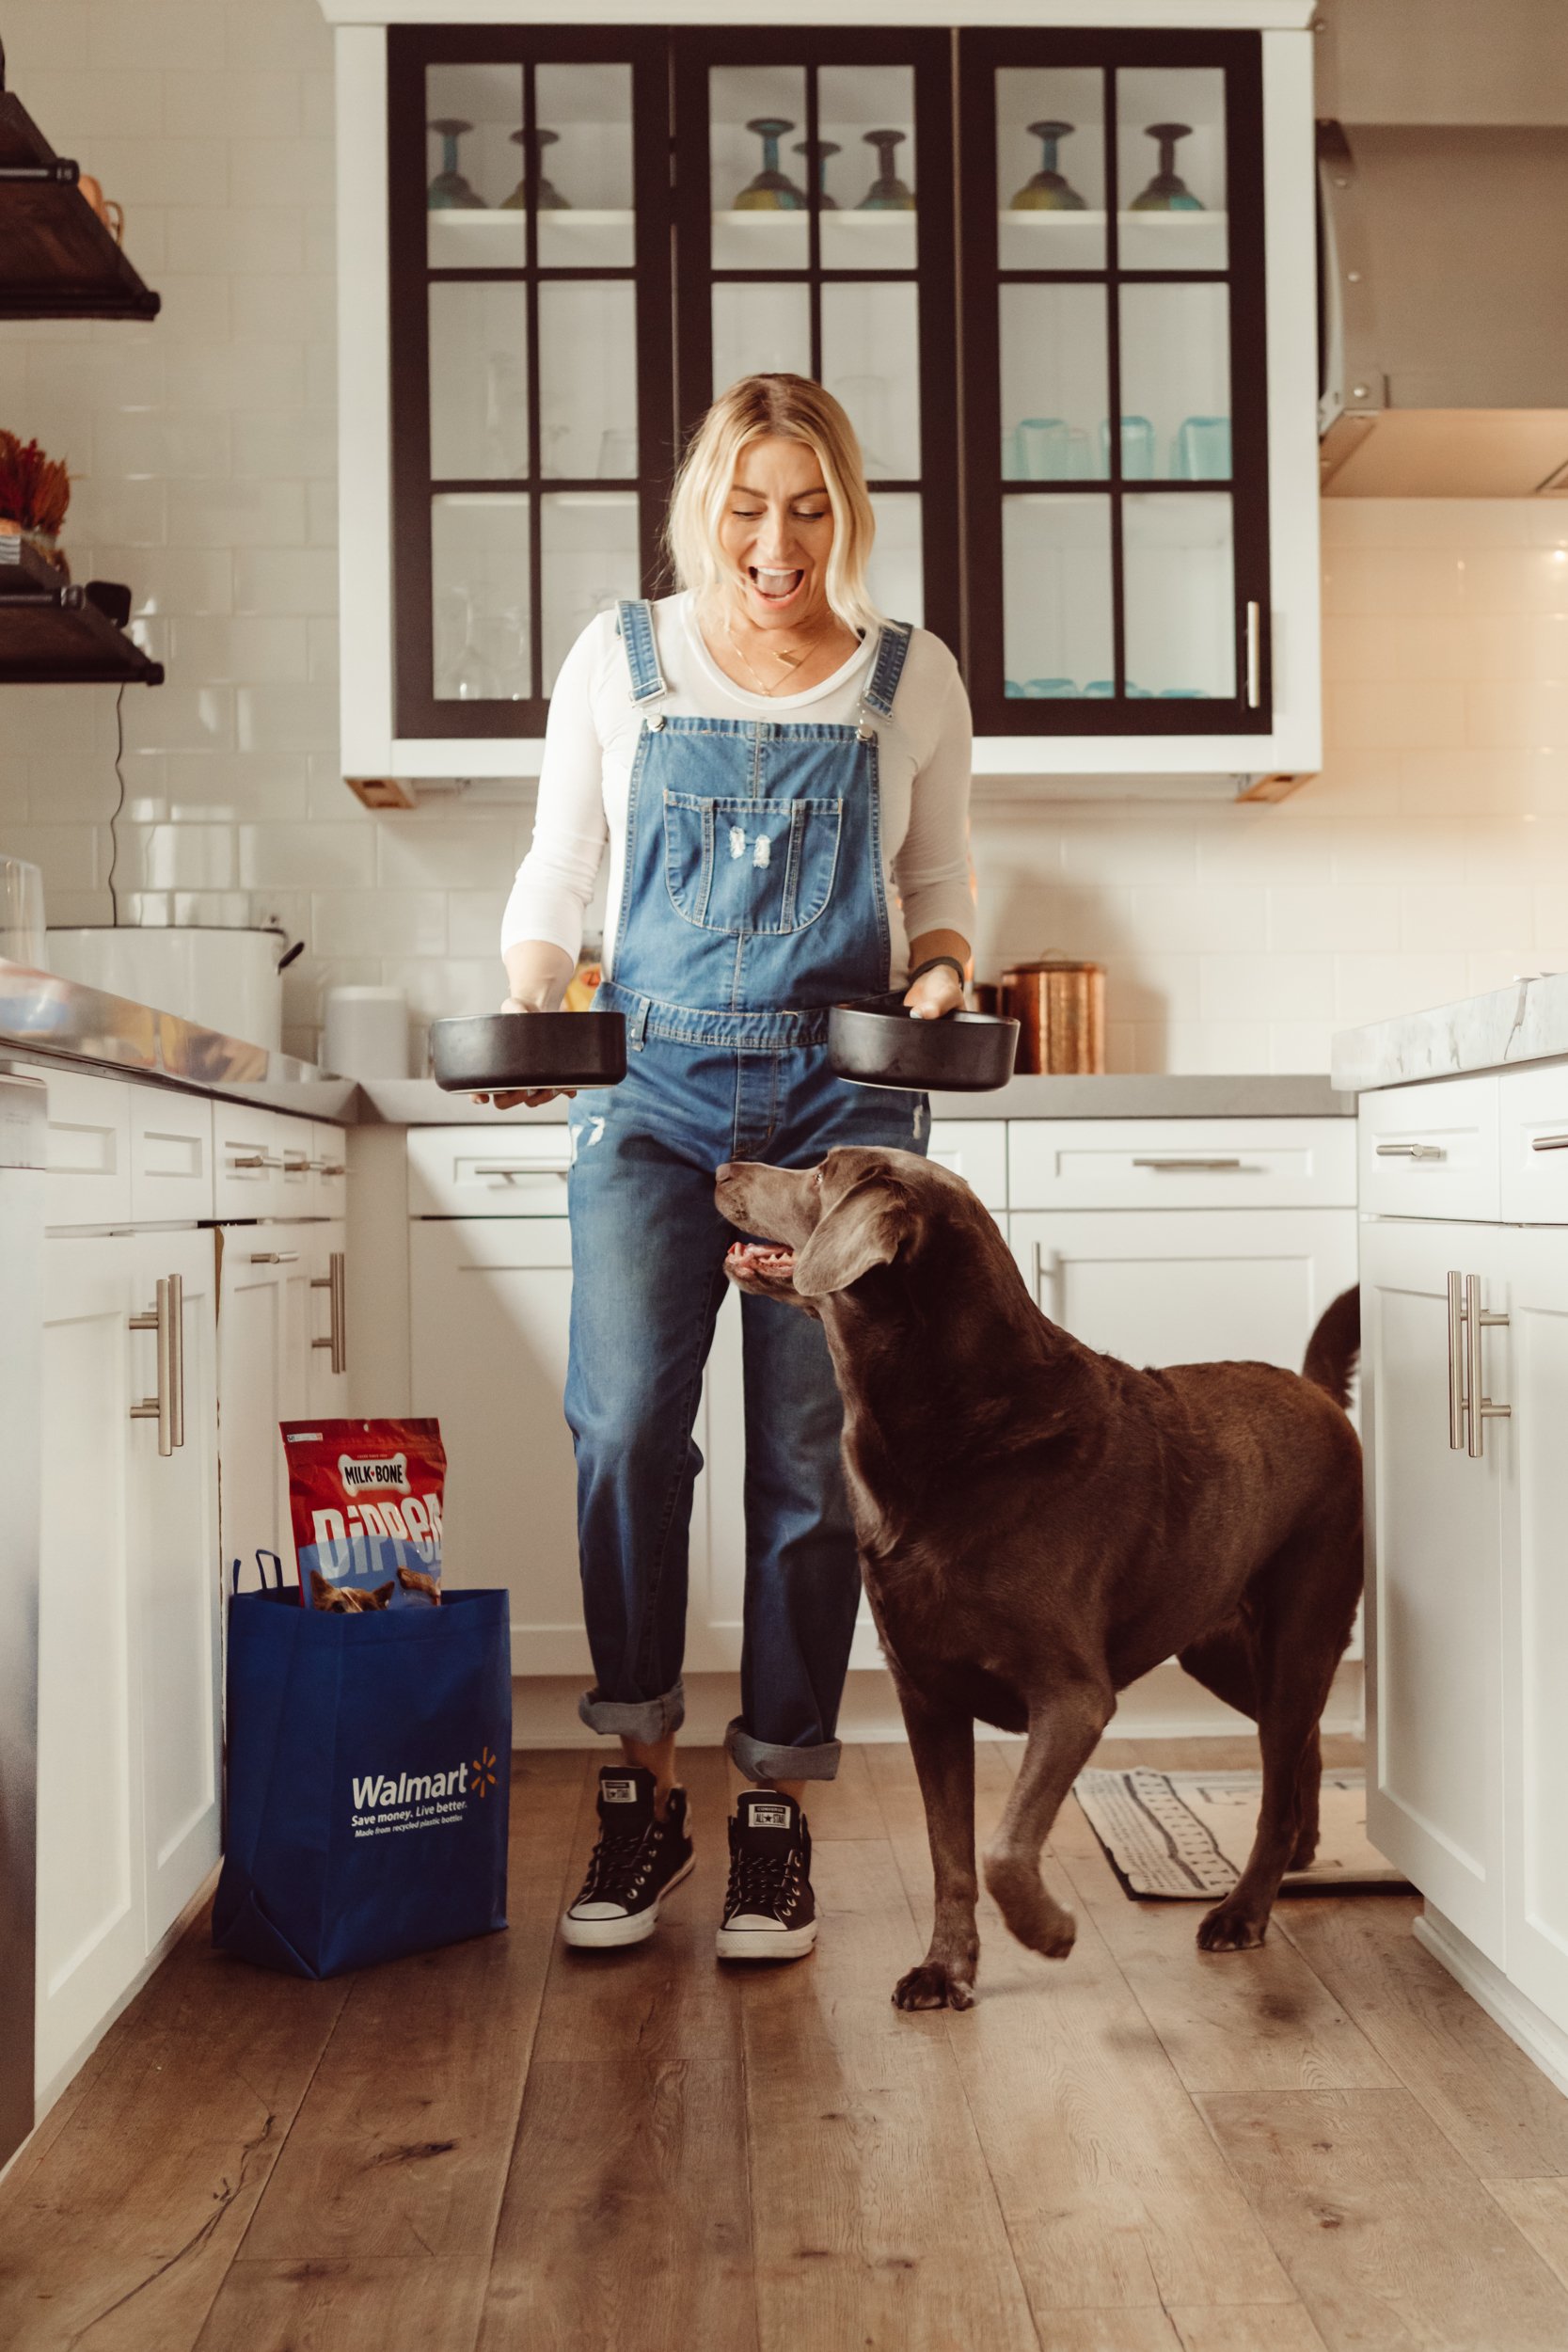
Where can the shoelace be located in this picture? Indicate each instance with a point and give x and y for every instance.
(620, 1860)
(761, 1881)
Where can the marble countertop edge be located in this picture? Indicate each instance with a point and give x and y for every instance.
(1524, 1022)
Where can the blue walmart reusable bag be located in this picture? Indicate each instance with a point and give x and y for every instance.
(368, 1780)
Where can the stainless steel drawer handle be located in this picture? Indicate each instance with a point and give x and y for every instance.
(1203, 1167)
(1549, 1143)
(525, 1168)
(168, 1319)
(1410, 1152)
(1482, 1408)
(336, 1281)
(254, 1159)
(275, 1257)
(328, 1167)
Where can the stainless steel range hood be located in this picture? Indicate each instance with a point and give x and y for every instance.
(1443, 167)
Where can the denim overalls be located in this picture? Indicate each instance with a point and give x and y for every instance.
(753, 900)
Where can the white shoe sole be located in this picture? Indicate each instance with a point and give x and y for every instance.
(765, 1942)
(633, 1927)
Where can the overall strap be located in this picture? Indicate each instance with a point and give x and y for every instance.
(892, 648)
(634, 623)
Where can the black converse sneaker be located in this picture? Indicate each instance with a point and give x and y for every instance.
(770, 1913)
(638, 1859)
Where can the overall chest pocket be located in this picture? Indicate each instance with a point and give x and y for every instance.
(749, 864)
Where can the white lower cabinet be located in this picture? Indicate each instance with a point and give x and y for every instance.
(490, 1306)
(1187, 1285)
(1434, 1751)
(1468, 1746)
(128, 1623)
(264, 1321)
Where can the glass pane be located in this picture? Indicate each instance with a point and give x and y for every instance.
(589, 550)
(758, 194)
(759, 329)
(588, 378)
(865, 166)
(585, 196)
(871, 362)
(1170, 167)
(474, 166)
(478, 380)
(478, 588)
(897, 570)
(1056, 597)
(1176, 383)
(1179, 593)
(1053, 384)
(1051, 167)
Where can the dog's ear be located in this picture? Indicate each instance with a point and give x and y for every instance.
(863, 1230)
(322, 1593)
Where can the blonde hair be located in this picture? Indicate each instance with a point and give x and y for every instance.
(769, 408)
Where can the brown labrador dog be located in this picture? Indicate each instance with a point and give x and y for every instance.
(1038, 1525)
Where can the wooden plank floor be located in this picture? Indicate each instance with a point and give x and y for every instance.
(1317, 2146)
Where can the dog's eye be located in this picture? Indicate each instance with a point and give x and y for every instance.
(816, 1177)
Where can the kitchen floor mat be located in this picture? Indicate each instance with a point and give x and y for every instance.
(1186, 1836)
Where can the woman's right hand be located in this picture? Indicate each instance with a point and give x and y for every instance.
(532, 1096)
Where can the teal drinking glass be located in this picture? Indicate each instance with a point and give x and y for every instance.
(1201, 451)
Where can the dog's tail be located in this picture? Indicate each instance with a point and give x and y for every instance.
(1334, 1347)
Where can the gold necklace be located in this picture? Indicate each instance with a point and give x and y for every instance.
(792, 662)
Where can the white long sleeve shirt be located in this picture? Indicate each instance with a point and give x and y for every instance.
(591, 741)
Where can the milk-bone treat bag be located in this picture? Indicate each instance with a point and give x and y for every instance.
(365, 1498)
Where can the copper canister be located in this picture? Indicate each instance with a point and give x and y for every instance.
(1060, 1008)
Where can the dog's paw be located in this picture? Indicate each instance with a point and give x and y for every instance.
(1304, 1856)
(933, 1986)
(1227, 1930)
(1031, 1911)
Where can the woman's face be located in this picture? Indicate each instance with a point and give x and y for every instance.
(776, 533)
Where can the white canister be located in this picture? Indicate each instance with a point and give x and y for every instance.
(364, 1033)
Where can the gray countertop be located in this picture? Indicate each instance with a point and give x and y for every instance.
(1524, 1022)
(47, 1018)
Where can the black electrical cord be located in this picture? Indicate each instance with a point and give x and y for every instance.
(114, 837)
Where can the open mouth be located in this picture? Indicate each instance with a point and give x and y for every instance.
(775, 587)
(765, 1259)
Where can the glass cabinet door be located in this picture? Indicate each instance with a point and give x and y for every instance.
(1116, 500)
(533, 430)
(814, 221)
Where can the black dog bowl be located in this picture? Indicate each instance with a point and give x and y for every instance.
(498, 1051)
(877, 1043)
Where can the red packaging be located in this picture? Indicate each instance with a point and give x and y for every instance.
(365, 1498)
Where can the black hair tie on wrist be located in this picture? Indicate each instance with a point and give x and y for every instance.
(930, 964)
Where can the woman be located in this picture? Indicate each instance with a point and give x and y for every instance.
(782, 778)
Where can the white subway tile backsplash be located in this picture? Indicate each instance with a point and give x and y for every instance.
(287, 717)
(177, 33)
(426, 851)
(283, 307)
(299, 441)
(1333, 918)
(156, 168)
(236, 514)
(399, 923)
(307, 855)
(1474, 918)
(266, 171)
(474, 921)
(206, 238)
(270, 652)
(1295, 1046)
(1274, 988)
(286, 580)
(1197, 919)
(262, 102)
(1378, 985)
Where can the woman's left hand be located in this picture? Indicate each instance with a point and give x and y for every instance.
(938, 993)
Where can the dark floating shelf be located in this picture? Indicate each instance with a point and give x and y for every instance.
(58, 261)
(54, 632)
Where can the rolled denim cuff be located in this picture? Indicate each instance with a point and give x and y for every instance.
(647, 1720)
(764, 1762)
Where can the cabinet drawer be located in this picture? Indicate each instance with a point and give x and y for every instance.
(1532, 1131)
(248, 1161)
(1431, 1150)
(1181, 1164)
(89, 1150)
(976, 1150)
(330, 1155)
(475, 1171)
(171, 1156)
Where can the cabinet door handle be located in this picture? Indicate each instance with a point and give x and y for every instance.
(161, 1407)
(1481, 1408)
(275, 1257)
(525, 1168)
(1203, 1167)
(177, 1358)
(1254, 656)
(1045, 1274)
(1411, 1150)
(254, 1159)
(335, 1280)
(1456, 1363)
(328, 1167)
(1549, 1143)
